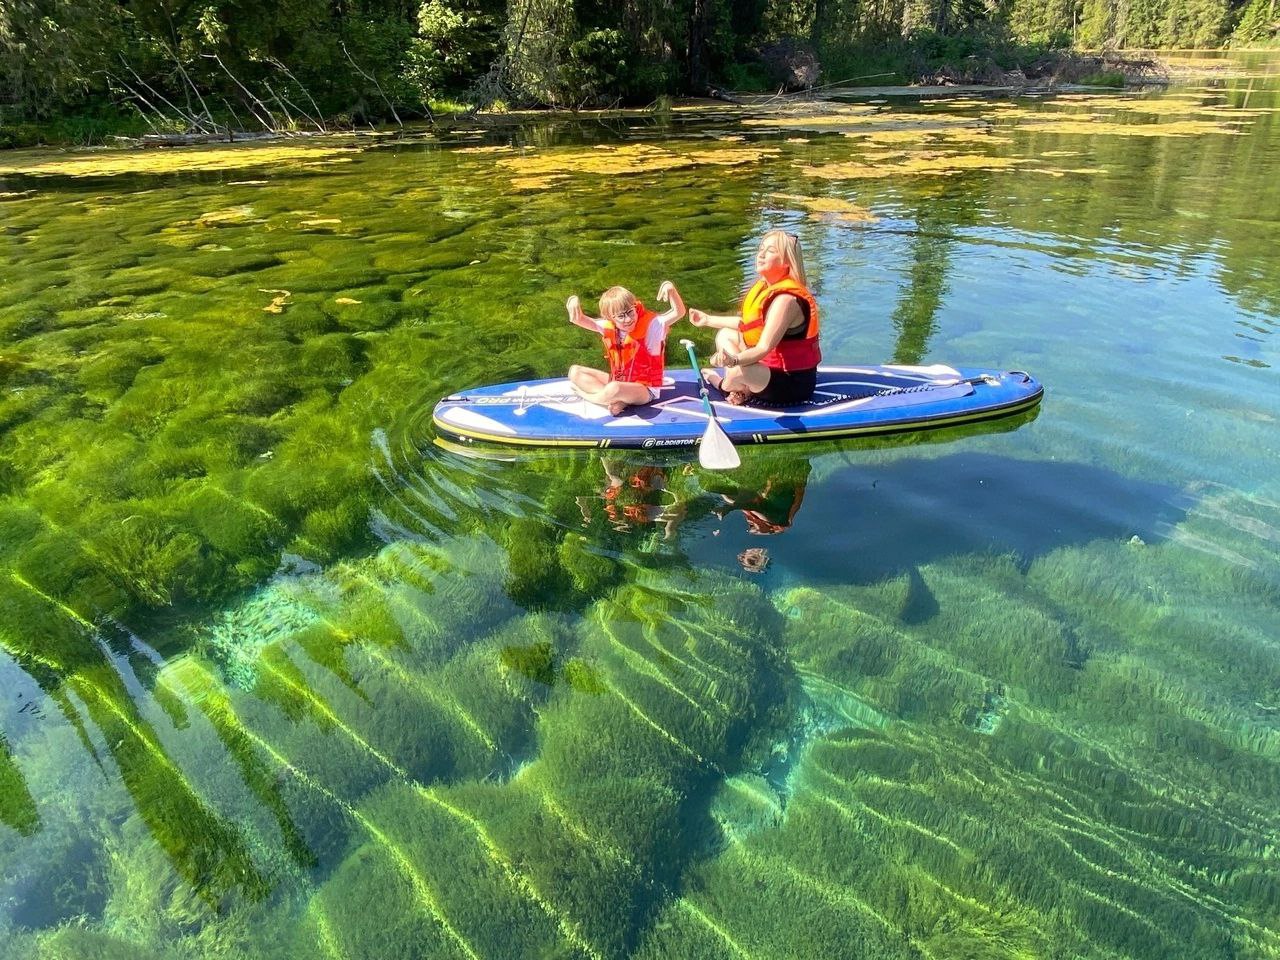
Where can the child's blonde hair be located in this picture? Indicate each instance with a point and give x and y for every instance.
(789, 247)
(616, 301)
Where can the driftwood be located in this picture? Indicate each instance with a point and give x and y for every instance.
(190, 139)
(1051, 70)
(715, 93)
(377, 86)
(275, 113)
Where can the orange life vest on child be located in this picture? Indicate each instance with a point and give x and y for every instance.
(627, 511)
(629, 361)
(798, 349)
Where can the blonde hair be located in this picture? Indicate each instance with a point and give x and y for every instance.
(615, 301)
(788, 246)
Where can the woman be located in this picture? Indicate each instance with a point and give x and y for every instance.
(770, 353)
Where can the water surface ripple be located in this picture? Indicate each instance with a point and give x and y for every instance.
(285, 677)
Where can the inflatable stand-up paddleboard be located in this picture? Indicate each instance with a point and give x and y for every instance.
(848, 402)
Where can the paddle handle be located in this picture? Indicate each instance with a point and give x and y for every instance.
(702, 384)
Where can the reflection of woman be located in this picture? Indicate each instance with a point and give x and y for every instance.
(770, 353)
(770, 511)
(768, 508)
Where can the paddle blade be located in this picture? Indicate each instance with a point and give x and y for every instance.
(717, 452)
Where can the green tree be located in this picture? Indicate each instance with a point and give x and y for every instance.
(1260, 21)
(54, 51)
(455, 43)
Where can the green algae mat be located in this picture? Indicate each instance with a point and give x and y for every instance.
(283, 677)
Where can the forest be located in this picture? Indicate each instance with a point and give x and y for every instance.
(97, 64)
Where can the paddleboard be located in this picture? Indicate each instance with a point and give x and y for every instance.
(849, 401)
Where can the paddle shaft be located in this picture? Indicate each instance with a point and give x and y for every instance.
(716, 452)
(702, 383)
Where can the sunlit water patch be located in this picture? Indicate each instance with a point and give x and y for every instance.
(284, 676)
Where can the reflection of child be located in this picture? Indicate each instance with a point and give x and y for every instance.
(634, 342)
(639, 498)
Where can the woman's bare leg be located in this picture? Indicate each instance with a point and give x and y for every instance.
(749, 379)
(754, 377)
(727, 341)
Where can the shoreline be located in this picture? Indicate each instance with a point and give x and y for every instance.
(1174, 67)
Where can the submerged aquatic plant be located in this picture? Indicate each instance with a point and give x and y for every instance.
(574, 844)
(108, 163)
(373, 699)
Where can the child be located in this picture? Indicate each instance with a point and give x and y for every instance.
(635, 343)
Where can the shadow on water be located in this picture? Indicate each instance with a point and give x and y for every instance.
(868, 523)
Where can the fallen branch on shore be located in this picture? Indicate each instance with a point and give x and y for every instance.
(276, 114)
(1048, 71)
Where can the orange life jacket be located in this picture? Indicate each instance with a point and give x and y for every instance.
(629, 361)
(798, 349)
(625, 511)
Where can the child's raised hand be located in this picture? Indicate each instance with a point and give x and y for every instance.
(666, 290)
(574, 306)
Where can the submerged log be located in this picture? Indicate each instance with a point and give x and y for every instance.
(191, 139)
(715, 93)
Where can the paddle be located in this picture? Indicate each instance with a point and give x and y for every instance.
(716, 452)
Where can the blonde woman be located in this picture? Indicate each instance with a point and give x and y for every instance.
(770, 352)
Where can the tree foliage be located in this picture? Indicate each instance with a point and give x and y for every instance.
(366, 59)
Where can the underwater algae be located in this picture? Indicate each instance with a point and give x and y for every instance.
(834, 207)
(1092, 127)
(1046, 825)
(578, 838)
(1048, 828)
(533, 170)
(425, 707)
(107, 163)
(53, 646)
(148, 370)
(17, 807)
(582, 835)
(920, 164)
(852, 118)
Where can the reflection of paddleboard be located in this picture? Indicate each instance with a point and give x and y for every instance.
(849, 401)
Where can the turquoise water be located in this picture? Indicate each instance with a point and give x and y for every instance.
(283, 677)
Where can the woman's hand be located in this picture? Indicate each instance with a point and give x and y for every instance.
(698, 317)
(717, 359)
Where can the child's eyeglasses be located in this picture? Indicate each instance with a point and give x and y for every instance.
(627, 314)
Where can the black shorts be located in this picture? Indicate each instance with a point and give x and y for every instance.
(787, 389)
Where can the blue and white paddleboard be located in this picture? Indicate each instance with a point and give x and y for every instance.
(849, 401)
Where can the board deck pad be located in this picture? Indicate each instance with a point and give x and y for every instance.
(848, 401)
